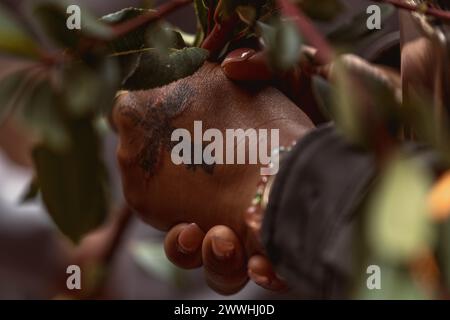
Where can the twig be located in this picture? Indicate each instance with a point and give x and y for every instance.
(308, 31)
(425, 9)
(163, 10)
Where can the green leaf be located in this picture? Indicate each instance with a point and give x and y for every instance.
(134, 40)
(10, 87)
(53, 19)
(151, 257)
(365, 101)
(42, 113)
(347, 110)
(325, 10)
(356, 28)
(13, 38)
(153, 69)
(398, 225)
(74, 182)
(283, 44)
(201, 11)
(225, 9)
(444, 251)
(32, 191)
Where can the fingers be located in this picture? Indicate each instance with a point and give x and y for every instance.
(224, 261)
(183, 244)
(246, 65)
(261, 272)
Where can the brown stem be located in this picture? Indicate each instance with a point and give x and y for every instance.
(163, 10)
(441, 14)
(116, 232)
(308, 31)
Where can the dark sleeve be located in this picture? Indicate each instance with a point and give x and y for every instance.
(307, 228)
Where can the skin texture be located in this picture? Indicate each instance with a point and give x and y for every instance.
(214, 199)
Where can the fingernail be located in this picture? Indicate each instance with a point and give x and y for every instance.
(223, 249)
(238, 55)
(280, 277)
(189, 240)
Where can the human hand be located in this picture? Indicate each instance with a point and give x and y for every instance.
(165, 194)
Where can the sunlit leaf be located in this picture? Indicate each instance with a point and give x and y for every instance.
(13, 38)
(154, 69)
(74, 182)
(398, 222)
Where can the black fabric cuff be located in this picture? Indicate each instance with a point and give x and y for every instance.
(307, 229)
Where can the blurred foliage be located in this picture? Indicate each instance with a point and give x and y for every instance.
(72, 77)
(150, 256)
(355, 29)
(13, 38)
(326, 11)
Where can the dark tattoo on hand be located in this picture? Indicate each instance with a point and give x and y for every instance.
(157, 128)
